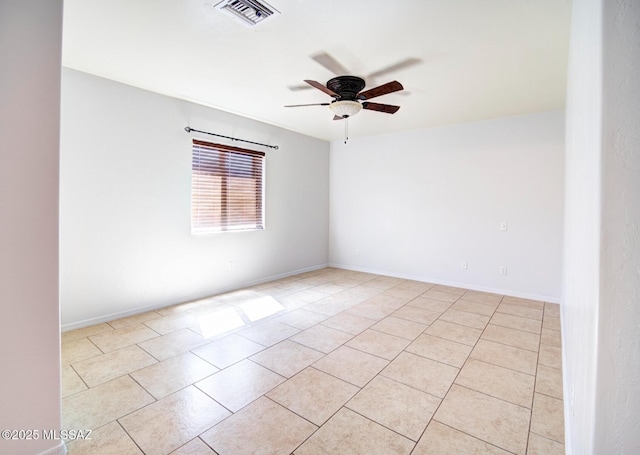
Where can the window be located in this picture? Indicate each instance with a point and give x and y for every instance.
(227, 188)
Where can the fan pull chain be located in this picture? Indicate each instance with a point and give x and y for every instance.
(346, 129)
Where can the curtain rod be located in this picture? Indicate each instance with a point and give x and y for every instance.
(188, 129)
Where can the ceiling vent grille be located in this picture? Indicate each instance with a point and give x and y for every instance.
(251, 12)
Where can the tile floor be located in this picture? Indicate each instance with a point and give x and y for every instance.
(326, 362)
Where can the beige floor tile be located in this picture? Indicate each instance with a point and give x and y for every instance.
(373, 311)
(268, 333)
(228, 350)
(547, 418)
(517, 322)
(482, 297)
(445, 296)
(454, 332)
(78, 350)
(171, 422)
(114, 364)
(194, 447)
(495, 421)
(134, 320)
(287, 358)
(110, 439)
(519, 310)
(523, 302)
(349, 323)
(508, 385)
(551, 337)
(329, 307)
(450, 289)
(383, 282)
(315, 294)
(396, 406)
(240, 384)
(415, 314)
(539, 445)
(263, 427)
(120, 338)
(551, 322)
(550, 356)
(379, 344)
(301, 319)
(440, 439)
(414, 285)
(445, 351)
(402, 293)
(85, 332)
(477, 321)
(321, 338)
(549, 381)
(387, 301)
(350, 433)
(168, 324)
(102, 404)
(172, 344)
(331, 288)
(313, 394)
(290, 303)
(505, 356)
(484, 309)
(400, 327)
(430, 304)
(71, 382)
(361, 292)
(525, 340)
(171, 375)
(423, 374)
(552, 309)
(351, 365)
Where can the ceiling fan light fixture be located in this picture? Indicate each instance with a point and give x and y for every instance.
(345, 108)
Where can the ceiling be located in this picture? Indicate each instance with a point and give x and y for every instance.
(477, 59)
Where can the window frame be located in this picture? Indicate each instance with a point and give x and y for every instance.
(225, 162)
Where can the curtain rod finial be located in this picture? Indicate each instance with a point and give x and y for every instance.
(187, 129)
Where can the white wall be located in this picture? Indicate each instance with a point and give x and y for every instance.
(417, 204)
(30, 48)
(601, 301)
(126, 195)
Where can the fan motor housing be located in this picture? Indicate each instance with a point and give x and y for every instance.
(347, 87)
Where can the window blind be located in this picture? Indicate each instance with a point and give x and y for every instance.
(227, 188)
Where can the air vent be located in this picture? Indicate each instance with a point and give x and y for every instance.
(251, 12)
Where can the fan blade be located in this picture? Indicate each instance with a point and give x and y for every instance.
(386, 108)
(396, 67)
(321, 87)
(301, 105)
(337, 117)
(330, 63)
(389, 87)
(295, 88)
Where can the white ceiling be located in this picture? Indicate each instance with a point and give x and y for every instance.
(479, 59)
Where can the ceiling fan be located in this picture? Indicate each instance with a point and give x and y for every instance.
(349, 98)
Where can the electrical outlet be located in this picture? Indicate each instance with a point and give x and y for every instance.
(503, 270)
(503, 226)
(464, 265)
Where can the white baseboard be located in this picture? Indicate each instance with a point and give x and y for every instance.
(134, 311)
(473, 287)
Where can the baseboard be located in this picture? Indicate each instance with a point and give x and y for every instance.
(134, 311)
(473, 287)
